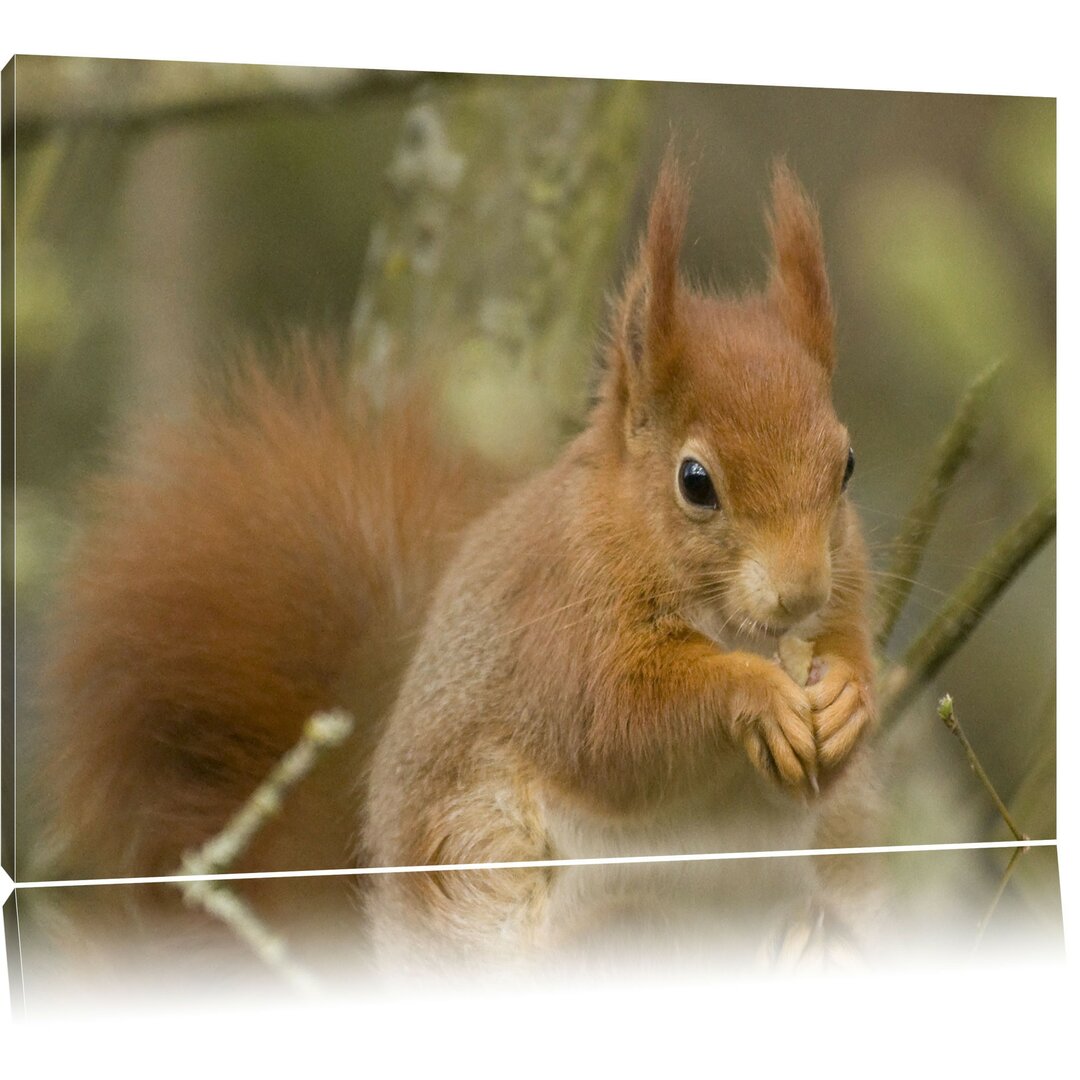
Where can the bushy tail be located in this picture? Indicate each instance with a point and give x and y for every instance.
(269, 556)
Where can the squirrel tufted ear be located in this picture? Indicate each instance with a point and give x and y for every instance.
(646, 325)
(799, 286)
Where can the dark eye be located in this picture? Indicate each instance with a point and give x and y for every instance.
(849, 469)
(695, 485)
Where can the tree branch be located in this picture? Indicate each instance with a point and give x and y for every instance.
(967, 606)
(236, 102)
(221, 902)
(948, 715)
(487, 269)
(998, 893)
(950, 454)
(322, 732)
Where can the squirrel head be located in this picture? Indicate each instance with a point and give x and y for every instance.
(718, 414)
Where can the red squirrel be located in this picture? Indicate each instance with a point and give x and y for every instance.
(583, 669)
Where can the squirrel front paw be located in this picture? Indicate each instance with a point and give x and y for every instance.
(773, 722)
(843, 709)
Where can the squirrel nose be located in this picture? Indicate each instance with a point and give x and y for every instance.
(798, 603)
(784, 586)
(802, 591)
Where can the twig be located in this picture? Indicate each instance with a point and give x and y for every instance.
(322, 732)
(235, 913)
(948, 715)
(967, 606)
(950, 454)
(985, 920)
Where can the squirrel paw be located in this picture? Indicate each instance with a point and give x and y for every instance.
(776, 729)
(842, 710)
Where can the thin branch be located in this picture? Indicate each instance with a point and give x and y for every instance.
(948, 715)
(249, 105)
(1000, 891)
(235, 913)
(950, 454)
(322, 732)
(967, 606)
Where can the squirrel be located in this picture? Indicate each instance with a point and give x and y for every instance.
(579, 667)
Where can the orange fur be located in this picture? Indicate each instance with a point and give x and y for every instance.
(271, 555)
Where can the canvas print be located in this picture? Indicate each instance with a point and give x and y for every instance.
(477, 477)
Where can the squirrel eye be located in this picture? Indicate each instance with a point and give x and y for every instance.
(695, 486)
(849, 469)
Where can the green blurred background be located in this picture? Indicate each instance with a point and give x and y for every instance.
(166, 211)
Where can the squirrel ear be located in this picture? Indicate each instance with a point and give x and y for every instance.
(646, 326)
(799, 286)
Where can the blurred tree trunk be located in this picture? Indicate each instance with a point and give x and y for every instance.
(506, 201)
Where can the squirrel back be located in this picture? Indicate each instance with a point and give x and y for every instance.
(270, 555)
